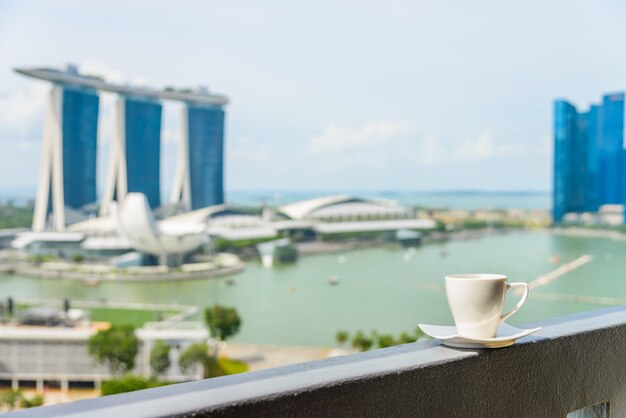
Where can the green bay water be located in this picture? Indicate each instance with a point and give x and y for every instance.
(389, 288)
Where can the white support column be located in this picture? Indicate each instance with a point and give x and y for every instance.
(181, 190)
(122, 177)
(117, 179)
(109, 185)
(51, 175)
(58, 200)
(43, 190)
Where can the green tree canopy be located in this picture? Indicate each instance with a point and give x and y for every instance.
(386, 340)
(361, 341)
(195, 354)
(115, 348)
(129, 383)
(223, 321)
(160, 358)
(34, 401)
(341, 337)
(12, 399)
(405, 338)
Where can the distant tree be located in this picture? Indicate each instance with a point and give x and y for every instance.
(129, 383)
(405, 338)
(386, 340)
(356, 339)
(11, 399)
(362, 342)
(194, 355)
(37, 259)
(36, 400)
(160, 358)
(366, 343)
(115, 348)
(223, 322)
(341, 337)
(78, 258)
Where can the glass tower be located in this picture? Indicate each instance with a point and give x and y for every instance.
(143, 147)
(80, 140)
(565, 122)
(611, 147)
(589, 165)
(592, 187)
(206, 155)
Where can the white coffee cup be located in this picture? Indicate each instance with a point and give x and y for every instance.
(477, 301)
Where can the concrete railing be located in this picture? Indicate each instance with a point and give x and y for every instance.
(575, 366)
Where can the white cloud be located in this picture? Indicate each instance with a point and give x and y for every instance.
(112, 75)
(372, 134)
(369, 145)
(244, 151)
(380, 144)
(483, 147)
(428, 151)
(19, 111)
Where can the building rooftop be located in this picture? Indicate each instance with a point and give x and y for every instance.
(341, 205)
(71, 76)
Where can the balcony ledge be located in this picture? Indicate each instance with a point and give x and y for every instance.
(572, 363)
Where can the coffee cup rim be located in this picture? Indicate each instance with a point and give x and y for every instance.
(477, 276)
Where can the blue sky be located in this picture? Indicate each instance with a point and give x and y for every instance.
(331, 95)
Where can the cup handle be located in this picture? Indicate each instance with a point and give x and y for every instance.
(521, 301)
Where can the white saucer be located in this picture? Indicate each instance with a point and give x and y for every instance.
(505, 336)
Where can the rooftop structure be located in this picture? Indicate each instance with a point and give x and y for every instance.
(72, 77)
(345, 207)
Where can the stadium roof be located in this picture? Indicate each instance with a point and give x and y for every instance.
(342, 205)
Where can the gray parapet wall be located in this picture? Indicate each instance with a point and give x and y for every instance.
(574, 362)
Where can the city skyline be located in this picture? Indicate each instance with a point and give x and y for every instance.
(405, 105)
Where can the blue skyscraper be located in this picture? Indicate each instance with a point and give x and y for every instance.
(142, 118)
(592, 186)
(611, 149)
(588, 156)
(565, 122)
(80, 133)
(205, 126)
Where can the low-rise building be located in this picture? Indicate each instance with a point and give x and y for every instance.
(58, 356)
